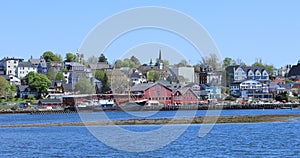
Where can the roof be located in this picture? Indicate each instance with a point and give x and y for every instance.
(7, 58)
(230, 69)
(296, 85)
(26, 64)
(145, 86)
(98, 66)
(141, 87)
(295, 70)
(73, 64)
(34, 61)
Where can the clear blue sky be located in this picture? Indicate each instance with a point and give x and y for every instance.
(268, 29)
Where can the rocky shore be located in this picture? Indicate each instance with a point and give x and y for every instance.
(196, 120)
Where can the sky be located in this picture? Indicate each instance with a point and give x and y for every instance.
(248, 30)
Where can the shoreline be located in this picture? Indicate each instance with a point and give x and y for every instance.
(154, 108)
(170, 121)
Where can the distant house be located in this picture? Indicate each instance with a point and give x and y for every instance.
(76, 71)
(9, 65)
(255, 90)
(185, 96)
(241, 73)
(24, 68)
(40, 64)
(55, 66)
(60, 87)
(276, 87)
(295, 71)
(99, 66)
(153, 91)
(24, 91)
(138, 78)
(12, 79)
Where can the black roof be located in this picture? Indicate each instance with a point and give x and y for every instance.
(295, 70)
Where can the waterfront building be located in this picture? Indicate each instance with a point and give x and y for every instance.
(153, 91)
(23, 91)
(185, 96)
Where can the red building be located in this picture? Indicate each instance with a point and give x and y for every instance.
(185, 96)
(153, 91)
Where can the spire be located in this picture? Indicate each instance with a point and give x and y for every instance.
(159, 56)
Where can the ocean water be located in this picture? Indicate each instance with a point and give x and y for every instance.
(224, 140)
(73, 117)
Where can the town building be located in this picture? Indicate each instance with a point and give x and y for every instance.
(99, 66)
(12, 79)
(76, 71)
(153, 91)
(187, 72)
(24, 68)
(185, 96)
(8, 66)
(294, 71)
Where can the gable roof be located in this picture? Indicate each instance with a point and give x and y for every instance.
(26, 64)
(295, 70)
(98, 66)
(145, 86)
(230, 69)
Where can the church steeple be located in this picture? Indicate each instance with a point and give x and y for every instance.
(159, 56)
(160, 61)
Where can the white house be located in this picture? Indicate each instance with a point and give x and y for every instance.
(9, 65)
(241, 73)
(24, 68)
(12, 79)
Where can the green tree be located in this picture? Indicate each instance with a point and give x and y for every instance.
(227, 62)
(92, 59)
(135, 61)
(257, 64)
(51, 57)
(102, 76)
(12, 89)
(37, 82)
(118, 63)
(270, 69)
(3, 86)
(166, 62)
(70, 57)
(197, 68)
(31, 97)
(60, 76)
(102, 58)
(153, 75)
(51, 74)
(83, 86)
